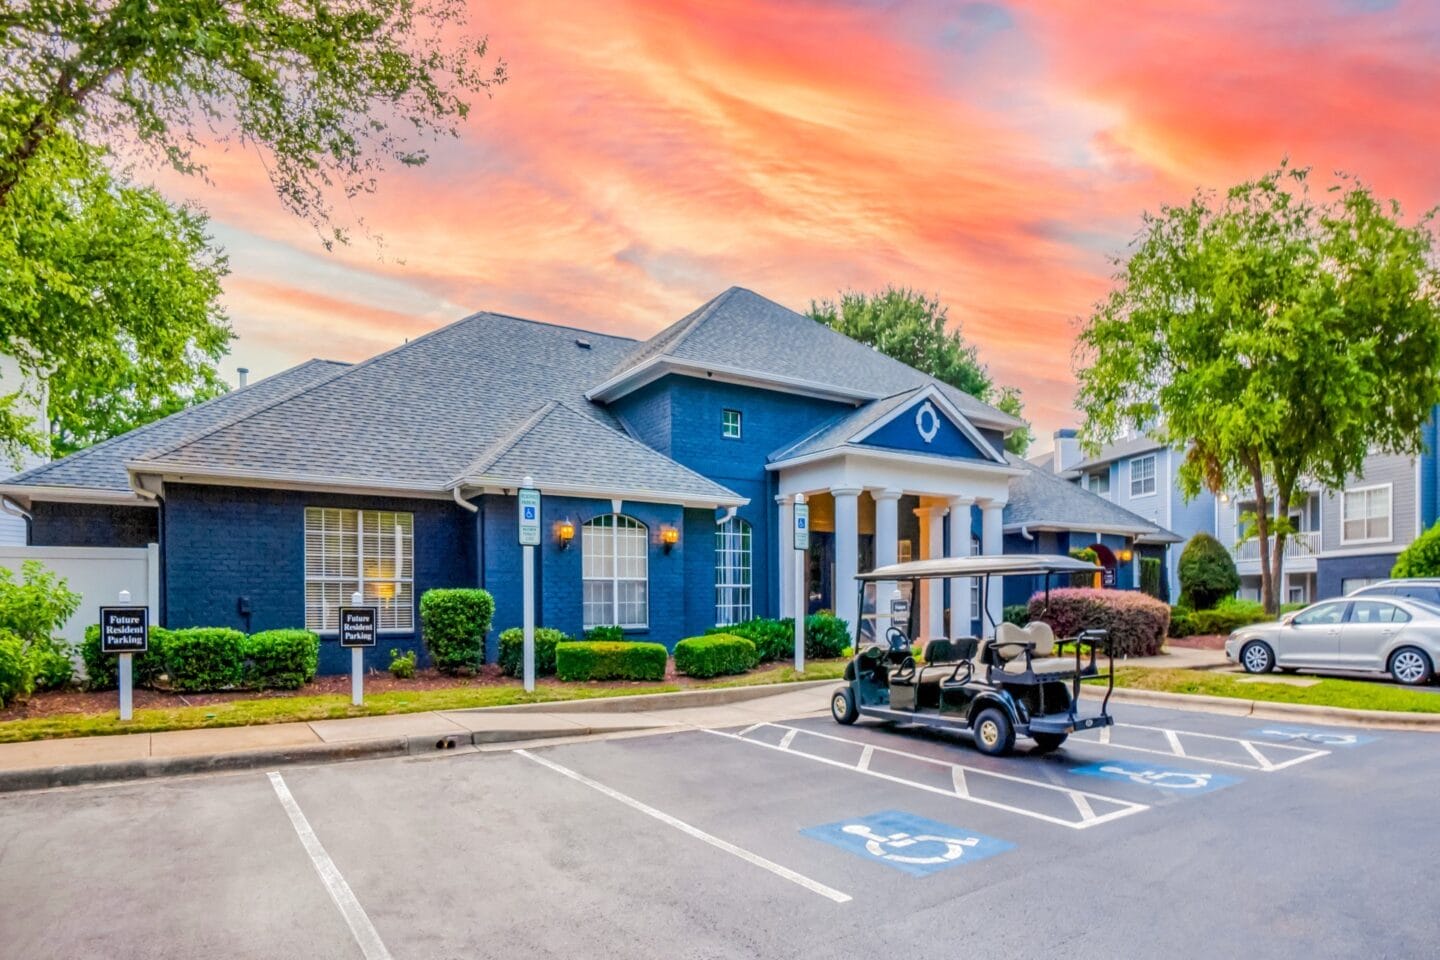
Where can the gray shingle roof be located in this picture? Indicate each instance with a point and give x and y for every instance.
(560, 447)
(1040, 498)
(102, 466)
(1119, 450)
(742, 330)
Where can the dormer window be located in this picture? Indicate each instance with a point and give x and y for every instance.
(730, 424)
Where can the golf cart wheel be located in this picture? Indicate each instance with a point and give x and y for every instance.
(1410, 666)
(1257, 657)
(1046, 742)
(994, 734)
(842, 706)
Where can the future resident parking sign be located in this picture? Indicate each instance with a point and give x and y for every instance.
(529, 517)
(124, 629)
(359, 626)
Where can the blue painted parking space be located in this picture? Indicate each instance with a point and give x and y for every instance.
(1166, 778)
(1320, 738)
(908, 843)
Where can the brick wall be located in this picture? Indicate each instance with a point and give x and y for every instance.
(92, 525)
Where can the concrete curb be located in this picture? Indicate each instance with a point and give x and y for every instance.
(646, 702)
(1267, 710)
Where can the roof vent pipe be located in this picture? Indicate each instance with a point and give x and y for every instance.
(244, 373)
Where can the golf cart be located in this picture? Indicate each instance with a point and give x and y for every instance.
(1007, 684)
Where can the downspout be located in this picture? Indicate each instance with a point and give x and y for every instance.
(13, 509)
(729, 515)
(455, 492)
(1025, 532)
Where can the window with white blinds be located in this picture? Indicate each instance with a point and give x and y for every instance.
(371, 552)
(733, 589)
(614, 567)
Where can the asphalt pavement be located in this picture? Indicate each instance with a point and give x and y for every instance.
(1177, 835)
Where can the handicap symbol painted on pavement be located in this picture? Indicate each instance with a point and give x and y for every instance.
(1171, 779)
(909, 843)
(1320, 738)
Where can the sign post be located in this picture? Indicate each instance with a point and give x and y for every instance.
(359, 629)
(802, 549)
(125, 630)
(529, 499)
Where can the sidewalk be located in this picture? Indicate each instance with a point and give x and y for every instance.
(51, 763)
(1181, 658)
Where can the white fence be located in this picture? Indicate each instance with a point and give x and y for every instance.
(98, 574)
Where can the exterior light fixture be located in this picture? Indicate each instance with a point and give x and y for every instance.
(1126, 555)
(669, 536)
(564, 534)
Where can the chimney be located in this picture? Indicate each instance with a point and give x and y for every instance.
(1067, 449)
(244, 376)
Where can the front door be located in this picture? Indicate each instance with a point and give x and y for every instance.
(821, 577)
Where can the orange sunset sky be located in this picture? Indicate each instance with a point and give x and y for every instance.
(645, 155)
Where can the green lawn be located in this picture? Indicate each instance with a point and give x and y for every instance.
(1351, 694)
(237, 713)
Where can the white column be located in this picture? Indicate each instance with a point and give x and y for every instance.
(847, 552)
(960, 612)
(887, 551)
(992, 543)
(935, 550)
(785, 542)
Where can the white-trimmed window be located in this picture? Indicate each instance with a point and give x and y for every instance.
(734, 597)
(1142, 476)
(1365, 515)
(730, 424)
(1098, 483)
(614, 565)
(367, 551)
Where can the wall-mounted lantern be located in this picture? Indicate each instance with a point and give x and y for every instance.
(1126, 556)
(565, 534)
(669, 536)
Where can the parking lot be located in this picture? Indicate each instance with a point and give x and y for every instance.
(1173, 834)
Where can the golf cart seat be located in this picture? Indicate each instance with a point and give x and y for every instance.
(1011, 642)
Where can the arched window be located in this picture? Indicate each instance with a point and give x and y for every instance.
(614, 566)
(733, 593)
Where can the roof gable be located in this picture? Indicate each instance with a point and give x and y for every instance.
(929, 424)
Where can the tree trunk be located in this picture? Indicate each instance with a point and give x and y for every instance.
(1277, 558)
(1262, 530)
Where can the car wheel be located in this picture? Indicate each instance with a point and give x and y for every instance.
(842, 706)
(1257, 657)
(1410, 666)
(994, 734)
(1046, 742)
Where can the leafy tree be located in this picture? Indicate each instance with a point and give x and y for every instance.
(1421, 558)
(327, 91)
(110, 293)
(1207, 573)
(914, 328)
(1274, 337)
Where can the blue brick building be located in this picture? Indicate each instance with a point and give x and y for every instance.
(669, 470)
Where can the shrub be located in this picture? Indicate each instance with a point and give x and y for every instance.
(825, 635)
(16, 681)
(51, 663)
(715, 654)
(1182, 622)
(604, 660)
(204, 658)
(773, 639)
(1150, 582)
(1229, 614)
(1421, 558)
(402, 665)
(34, 610)
(1136, 623)
(102, 670)
(1207, 572)
(281, 659)
(1089, 555)
(453, 623)
(605, 634)
(1017, 613)
(512, 650)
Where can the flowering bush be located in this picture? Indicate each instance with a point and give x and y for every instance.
(1136, 622)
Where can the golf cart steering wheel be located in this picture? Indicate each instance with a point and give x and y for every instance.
(897, 639)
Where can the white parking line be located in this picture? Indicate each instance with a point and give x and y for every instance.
(355, 917)
(1175, 739)
(962, 788)
(786, 873)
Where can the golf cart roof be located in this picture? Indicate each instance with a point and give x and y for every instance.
(1014, 565)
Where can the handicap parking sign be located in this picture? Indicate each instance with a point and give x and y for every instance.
(1319, 738)
(1169, 779)
(908, 843)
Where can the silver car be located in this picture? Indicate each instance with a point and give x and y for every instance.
(1395, 635)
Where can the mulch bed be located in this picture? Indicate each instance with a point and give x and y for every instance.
(1212, 641)
(49, 703)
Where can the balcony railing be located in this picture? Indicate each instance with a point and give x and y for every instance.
(1303, 544)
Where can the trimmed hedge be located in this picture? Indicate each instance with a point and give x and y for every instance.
(204, 658)
(453, 624)
(1136, 623)
(102, 670)
(1150, 580)
(1207, 572)
(1229, 615)
(773, 639)
(826, 636)
(1017, 613)
(606, 634)
(512, 650)
(603, 660)
(715, 654)
(281, 659)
